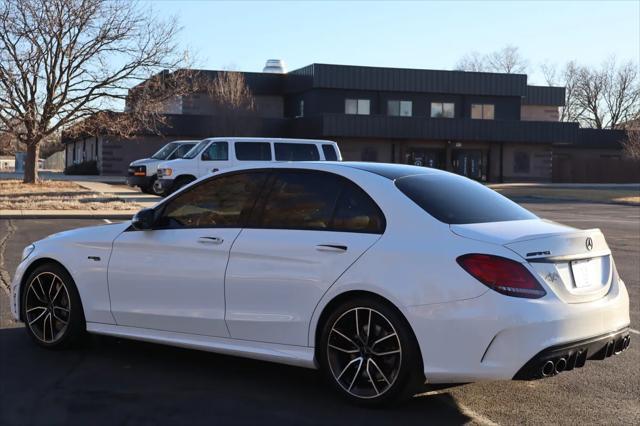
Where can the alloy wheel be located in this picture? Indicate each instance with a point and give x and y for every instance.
(47, 307)
(364, 352)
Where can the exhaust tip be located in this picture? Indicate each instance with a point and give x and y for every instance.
(548, 368)
(627, 342)
(561, 364)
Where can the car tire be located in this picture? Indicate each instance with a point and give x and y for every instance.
(380, 364)
(51, 307)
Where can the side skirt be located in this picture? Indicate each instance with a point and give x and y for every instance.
(298, 356)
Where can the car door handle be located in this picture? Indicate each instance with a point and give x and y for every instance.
(210, 240)
(331, 247)
(215, 169)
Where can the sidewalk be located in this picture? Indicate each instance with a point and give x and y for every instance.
(120, 191)
(51, 175)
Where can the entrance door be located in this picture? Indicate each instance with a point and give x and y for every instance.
(469, 163)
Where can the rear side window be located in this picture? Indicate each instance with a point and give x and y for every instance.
(319, 201)
(296, 152)
(253, 151)
(329, 153)
(356, 212)
(457, 200)
(223, 201)
(301, 201)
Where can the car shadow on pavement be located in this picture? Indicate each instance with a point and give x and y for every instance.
(112, 381)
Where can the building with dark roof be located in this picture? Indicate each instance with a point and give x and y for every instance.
(487, 126)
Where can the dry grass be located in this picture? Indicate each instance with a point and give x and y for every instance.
(56, 195)
(627, 196)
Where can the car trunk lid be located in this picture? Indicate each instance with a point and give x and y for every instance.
(575, 263)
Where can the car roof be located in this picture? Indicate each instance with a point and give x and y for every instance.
(262, 139)
(387, 170)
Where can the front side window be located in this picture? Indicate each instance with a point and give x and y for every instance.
(442, 110)
(296, 152)
(301, 200)
(329, 152)
(357, 106)
(222, 202)
(399, 108)
(217, 151)
(482, 111)
(253, 151)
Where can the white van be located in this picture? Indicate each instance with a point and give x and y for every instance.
(213, 154)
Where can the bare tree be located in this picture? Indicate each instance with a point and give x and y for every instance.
(506, 60)
(61, 61)
(608, 96)
(234, 104)
(631, 144)
(472, 61)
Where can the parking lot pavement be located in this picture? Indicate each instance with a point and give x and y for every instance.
(113, 381)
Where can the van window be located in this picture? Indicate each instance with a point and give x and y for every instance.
(296, 152)
(329, 152)
(217, 151)
(253, 151)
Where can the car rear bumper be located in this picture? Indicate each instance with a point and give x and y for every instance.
(141, 181)
(568, 356)
(493, 337)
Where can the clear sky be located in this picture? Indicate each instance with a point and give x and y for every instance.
(241, 35)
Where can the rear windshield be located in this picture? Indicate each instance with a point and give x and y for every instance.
(457, 200)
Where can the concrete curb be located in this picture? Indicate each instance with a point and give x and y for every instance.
(70, 214)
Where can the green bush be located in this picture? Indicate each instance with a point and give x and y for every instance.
(85, 168)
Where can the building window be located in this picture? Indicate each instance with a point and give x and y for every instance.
(399, 108)
(357, 106)
(521, 162)
(482, 111)
(442, 109)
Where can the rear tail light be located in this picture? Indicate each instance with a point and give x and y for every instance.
(503, 275)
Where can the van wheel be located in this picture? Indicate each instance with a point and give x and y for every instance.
(180, 182)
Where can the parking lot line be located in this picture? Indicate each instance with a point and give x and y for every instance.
(107, 220)
(635, 331)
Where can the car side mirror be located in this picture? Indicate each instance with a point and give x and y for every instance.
(144, 220)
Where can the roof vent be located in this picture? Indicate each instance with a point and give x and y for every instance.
(275, 66)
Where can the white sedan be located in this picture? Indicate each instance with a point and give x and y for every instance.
(384, 276)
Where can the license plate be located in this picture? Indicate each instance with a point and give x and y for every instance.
(582, 273)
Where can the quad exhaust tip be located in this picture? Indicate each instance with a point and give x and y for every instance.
(548, 368)
(561, 364)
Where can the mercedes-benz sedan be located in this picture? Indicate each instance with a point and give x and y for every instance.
(383, 276)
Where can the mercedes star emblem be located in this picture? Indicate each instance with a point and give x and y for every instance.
(589, 243)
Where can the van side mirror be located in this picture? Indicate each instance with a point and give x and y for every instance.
(144, 219)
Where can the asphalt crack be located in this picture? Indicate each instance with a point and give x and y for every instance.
(5, 278)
